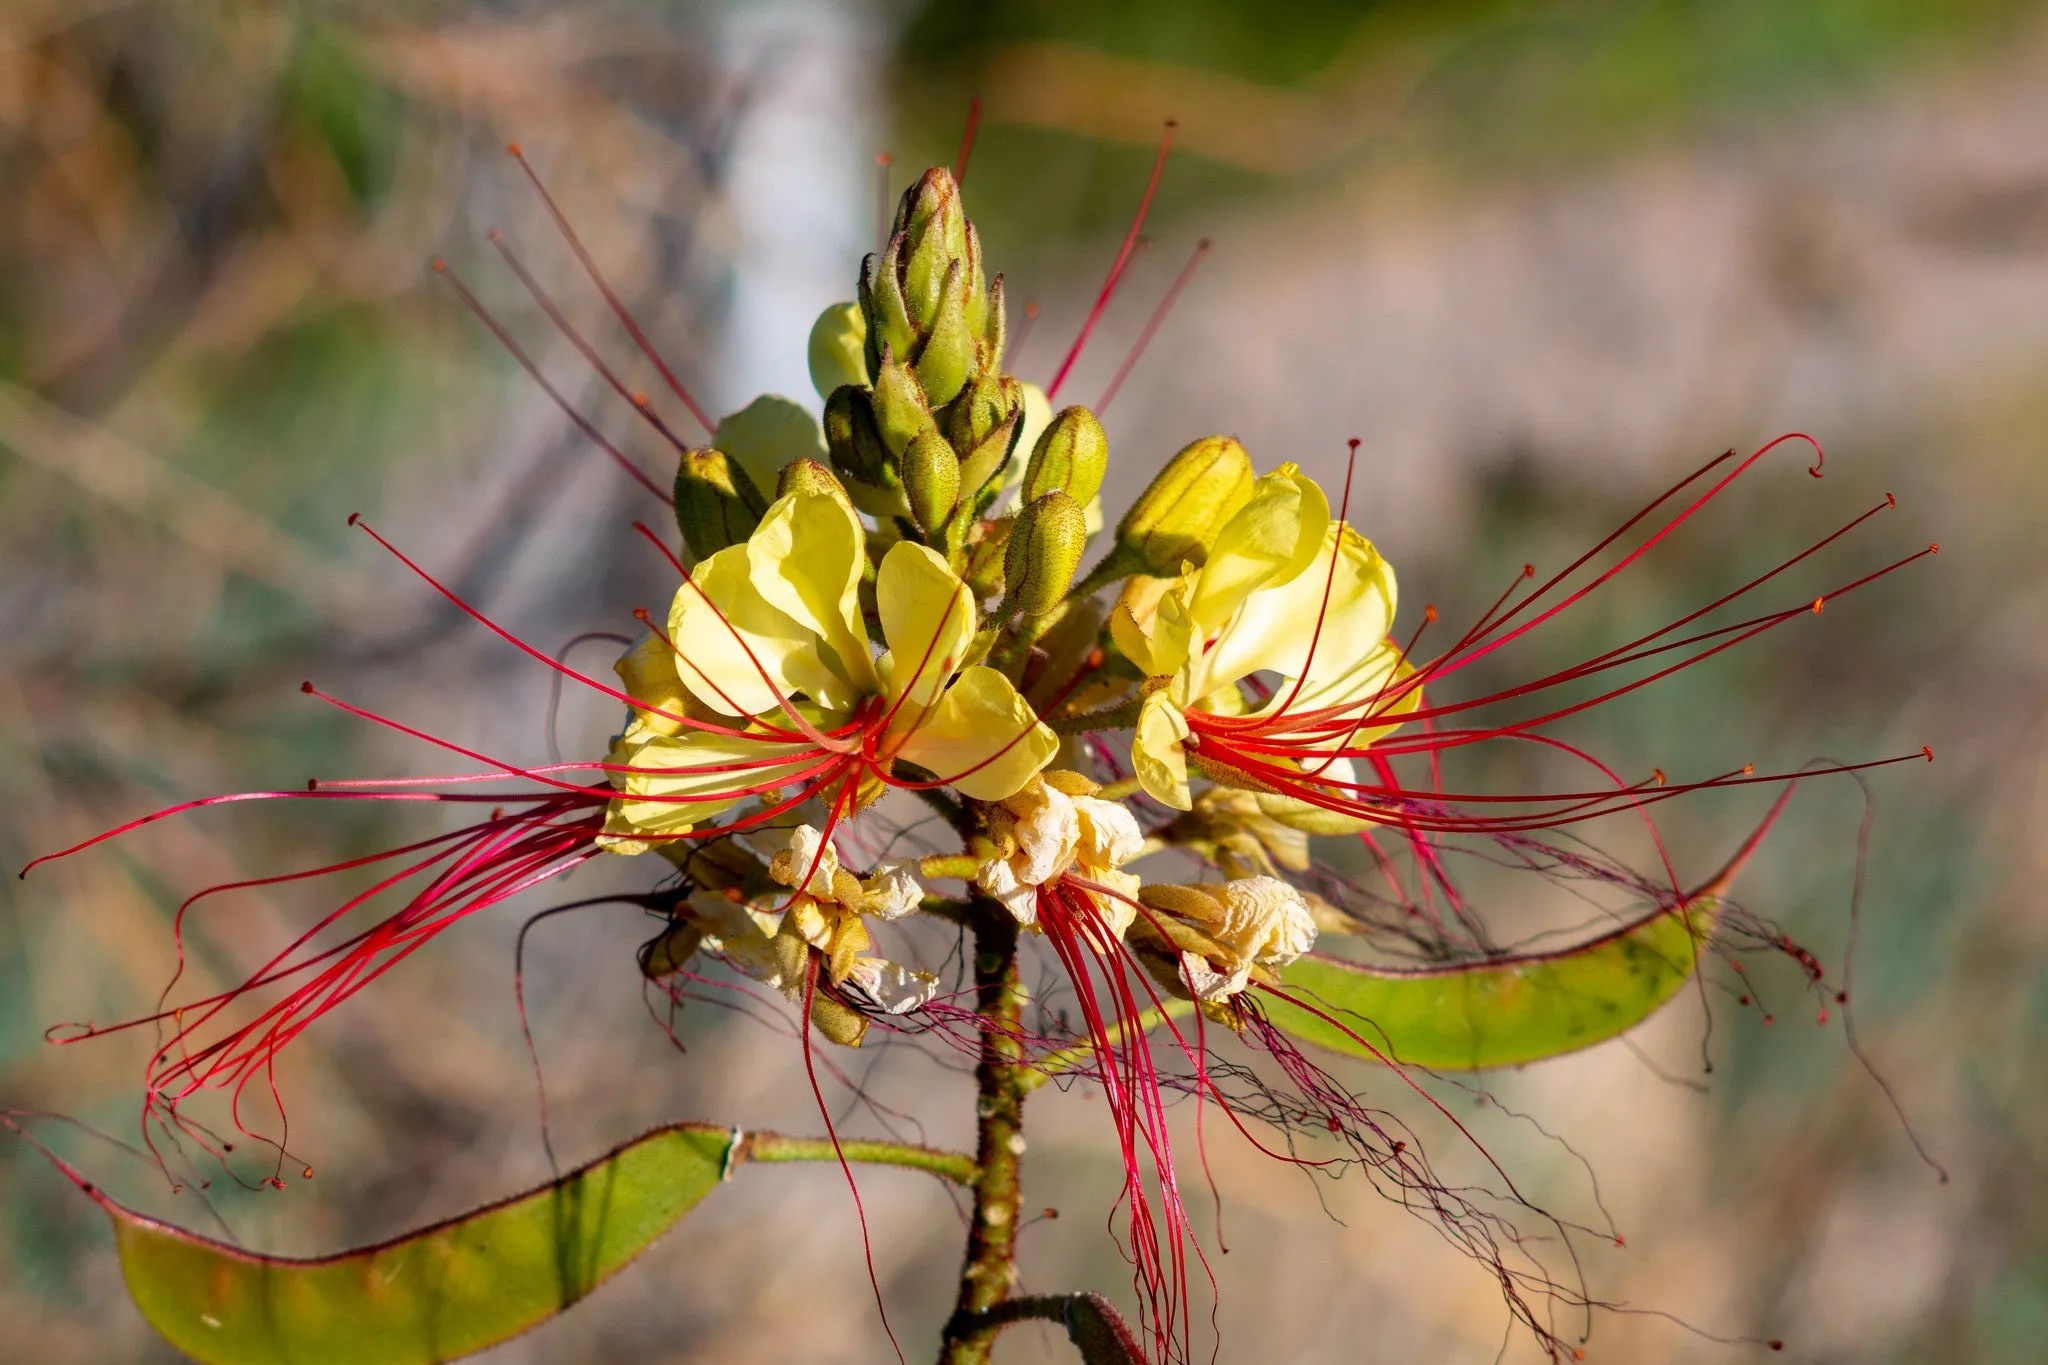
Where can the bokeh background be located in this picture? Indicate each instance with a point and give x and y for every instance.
(1543, 257)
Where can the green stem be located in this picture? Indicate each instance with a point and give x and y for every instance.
(771, 1148)
(1122, 716)
(1118, 563)
(990, 1271)
(1081, 1054)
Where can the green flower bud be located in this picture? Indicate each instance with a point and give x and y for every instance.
(984, 463)
(901, 411)
(1071, 456)
(767, 434)
(851, 436)
(716, 503)
(931, 479)
(981, 408)
(1177, 518)
(950, 355)
(838, 348)
(808, 476)
(925, 297)
(1044, 551)
(888, 313)
(933, 224)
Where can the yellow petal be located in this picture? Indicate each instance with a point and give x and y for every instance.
(806, 558)
(927, 619)
(1156, 754)
(1151, 625)
(1317, 626)
(683, 780)
(647, 672)
(735, 651)
(1270, 540)
(982, 737)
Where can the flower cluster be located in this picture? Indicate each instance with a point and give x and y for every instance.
(886, 605)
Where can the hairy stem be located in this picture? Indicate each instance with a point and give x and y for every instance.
(770, 1148)
(991, 1266)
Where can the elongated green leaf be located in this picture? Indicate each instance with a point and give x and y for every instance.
(456, 1287)
(1501, 1012)
(432, 1295)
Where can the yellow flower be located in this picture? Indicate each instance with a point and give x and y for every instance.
(769, 667)
(1285, 593)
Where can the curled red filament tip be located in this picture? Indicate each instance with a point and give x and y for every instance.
(1889, 500)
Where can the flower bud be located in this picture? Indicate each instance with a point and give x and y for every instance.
(852, 438)
(925, 297)
(900, 408)
(1044, 551)
(950, 357)
(933, 225)
(808, 476)
(767, 434)
(981, 407)
(837, 349)
(1071, 456)
(1177, 518)
(931, 479)
(716, 503)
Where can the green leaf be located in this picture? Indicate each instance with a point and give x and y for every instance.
(431, 1295)
(1503, 1011)
(454, 1288)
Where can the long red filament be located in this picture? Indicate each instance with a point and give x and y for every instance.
(1151, 327)
(618, 308)
(1116, 271)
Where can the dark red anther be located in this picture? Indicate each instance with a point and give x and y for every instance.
(352, 517)
(306, 687)
(1743, 1001)
(1770, 1019)
(1928, 751)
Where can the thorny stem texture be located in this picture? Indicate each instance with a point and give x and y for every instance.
(990, 1271)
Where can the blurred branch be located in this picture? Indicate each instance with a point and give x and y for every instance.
(202, 516)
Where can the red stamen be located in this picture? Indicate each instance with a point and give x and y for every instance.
(619, 309)
(967, 141)
(526, 362)
(1151, 326)
(1123, 258)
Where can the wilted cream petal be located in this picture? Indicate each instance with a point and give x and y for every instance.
(889, 986)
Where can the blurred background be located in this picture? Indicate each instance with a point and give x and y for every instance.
(1542, 257)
